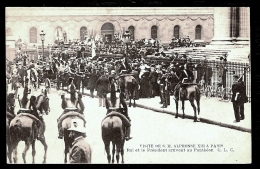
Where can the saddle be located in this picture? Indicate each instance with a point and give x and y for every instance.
(31, 116)
(72, 112)
(121, 116)
(23, 110)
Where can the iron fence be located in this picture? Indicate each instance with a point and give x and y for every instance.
(229, 69)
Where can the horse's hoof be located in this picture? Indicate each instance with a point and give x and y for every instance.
(176, 117)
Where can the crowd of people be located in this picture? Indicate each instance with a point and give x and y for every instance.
(74, 72)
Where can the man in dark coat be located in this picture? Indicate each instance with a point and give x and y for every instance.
(92, 81)
(238, 98)
(102, 88)
(81, 151)
(153, 81)
(22, 73)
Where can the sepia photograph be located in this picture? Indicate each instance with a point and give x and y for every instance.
(128, 85)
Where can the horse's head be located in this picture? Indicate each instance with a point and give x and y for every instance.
(10, 102)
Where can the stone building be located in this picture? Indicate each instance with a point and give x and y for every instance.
(216, 25)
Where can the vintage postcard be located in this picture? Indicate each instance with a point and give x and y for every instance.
(132, 85)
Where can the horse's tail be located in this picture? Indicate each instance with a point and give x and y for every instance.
(16, 129)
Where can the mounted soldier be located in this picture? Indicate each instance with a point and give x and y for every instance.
(70, 104)
(186, 77)
(114, 102)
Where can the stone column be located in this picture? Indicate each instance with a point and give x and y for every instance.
(222, 26)
(234, 22)
(244, 26)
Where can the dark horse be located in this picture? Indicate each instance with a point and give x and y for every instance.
(10, 105)
(191, 92)
(129, 85)
(113, 131)
(24, 127)
(65, 120)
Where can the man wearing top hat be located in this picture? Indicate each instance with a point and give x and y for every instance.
(80, 151)
(22, 73)
(238, 97)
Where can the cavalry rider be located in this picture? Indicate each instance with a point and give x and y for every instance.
(186, 77)
(29, 106)
(114, 104)
(70, 103)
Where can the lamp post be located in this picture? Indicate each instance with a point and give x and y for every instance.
(126, 37)
(42, 34)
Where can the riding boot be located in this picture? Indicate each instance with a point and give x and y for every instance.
(128, 130)
(100, 101)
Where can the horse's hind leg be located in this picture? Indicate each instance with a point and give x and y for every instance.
(194, 109)
(117, 153)
(122, 155)
(45, 149)
(198, 109)
(15, 152)
(33, 151)
(177, 107)
(107, 148)
(26, 148)
(113, 153)
(183, 114)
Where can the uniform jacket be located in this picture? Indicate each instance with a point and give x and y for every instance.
(184, 75)
(80, 151)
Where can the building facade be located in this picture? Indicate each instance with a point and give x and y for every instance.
(160, 23)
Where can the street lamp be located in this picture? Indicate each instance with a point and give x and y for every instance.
(126, 37)
(42, 34)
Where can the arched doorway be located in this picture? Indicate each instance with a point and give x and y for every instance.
(83, 32)
(132, 31)
(58, 33)
(33, 35)
(107, 30)
(198, 32)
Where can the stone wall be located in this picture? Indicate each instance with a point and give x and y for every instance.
(20, 26)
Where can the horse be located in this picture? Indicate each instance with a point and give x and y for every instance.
(191, 93)
(113, 131)
(65, 120)
(9, 116)
(129, 85)
(24, 128)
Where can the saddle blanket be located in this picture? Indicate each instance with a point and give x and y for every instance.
(72, 113)
(113, 113)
